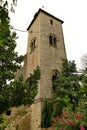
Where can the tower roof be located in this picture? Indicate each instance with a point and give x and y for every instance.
(37, 13)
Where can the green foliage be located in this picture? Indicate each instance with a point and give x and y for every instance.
(58, 106)
(69, 120)
(46, 120)
(13, 92)
(68, 68)
(68, 86)
(32, 87)
(3, 123)
(9, 60)
(19, 92)
(27, 91)
(71, 88)
(69, 100)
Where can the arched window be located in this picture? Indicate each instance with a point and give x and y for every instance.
(52, 40)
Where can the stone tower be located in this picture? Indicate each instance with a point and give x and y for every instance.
(45, 49)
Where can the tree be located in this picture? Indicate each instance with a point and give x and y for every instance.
(69, 99)
(13, 92)
(9, 60)
(19, 93)
(67, 84)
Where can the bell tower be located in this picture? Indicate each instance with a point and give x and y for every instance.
(45, 49)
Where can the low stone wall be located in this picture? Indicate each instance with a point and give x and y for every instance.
(24, 123)
(19, 119)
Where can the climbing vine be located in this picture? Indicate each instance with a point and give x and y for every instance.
(46, 118)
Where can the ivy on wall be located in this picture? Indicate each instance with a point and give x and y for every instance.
(46, 118)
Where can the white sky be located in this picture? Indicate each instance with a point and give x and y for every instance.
(72, 12)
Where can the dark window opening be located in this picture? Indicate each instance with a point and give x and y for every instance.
(8, 112)
(51, 22)
(52, 40)
(33, 44)
(54, 77)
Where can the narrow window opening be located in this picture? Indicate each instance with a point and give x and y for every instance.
(54, 77)
(50, 40)
(51, 22)
(33, 44)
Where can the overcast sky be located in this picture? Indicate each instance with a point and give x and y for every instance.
(72, 12)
